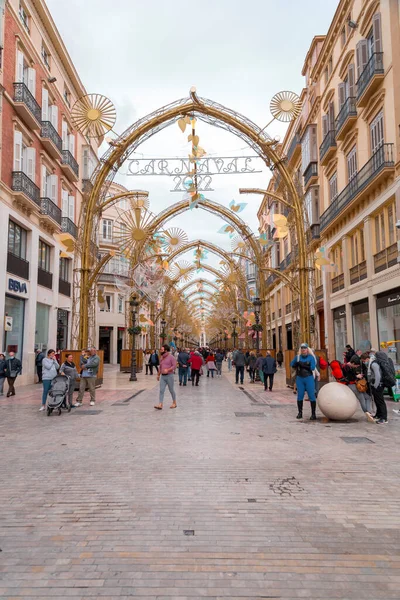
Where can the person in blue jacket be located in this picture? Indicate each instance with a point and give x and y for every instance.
(305, 366)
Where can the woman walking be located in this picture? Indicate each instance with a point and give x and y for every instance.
(166, 376)
(252, 366)
(3, 369)
(229, 357)
(146, 358)
(50, 371)
(69, 369)
(210, 364)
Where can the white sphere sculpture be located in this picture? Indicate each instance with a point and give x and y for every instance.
(337, 402)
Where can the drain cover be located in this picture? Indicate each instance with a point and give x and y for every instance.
(249, 414)
(188, 532)
(357, 440)
(87, 412)
(251, 500)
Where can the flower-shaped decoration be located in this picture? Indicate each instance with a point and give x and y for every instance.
(173, 239)
(238, 245)
(285, 106)
(182, 270)
(94, 115)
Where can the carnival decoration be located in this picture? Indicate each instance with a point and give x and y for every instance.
(93, 115)
(173, 239)
(237, 208)
(285, 106)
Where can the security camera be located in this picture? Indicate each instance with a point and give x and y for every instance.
(352, 24)
(398, 224)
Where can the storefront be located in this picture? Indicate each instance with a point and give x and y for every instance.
(62, 329)
(105, 335)
(361, 325)
(14, 334)
(388, 317)
(42, 326)
(340, 331)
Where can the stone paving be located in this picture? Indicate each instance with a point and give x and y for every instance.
(228, 496)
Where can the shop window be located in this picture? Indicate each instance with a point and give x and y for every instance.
(13, 340)
(44, 256)
(17, 240)
(361, 326)
(376, 132)
(64, 269)
(42, 326)
(352, 163)
(333, 187)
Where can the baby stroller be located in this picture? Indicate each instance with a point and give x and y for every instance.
(58, 395)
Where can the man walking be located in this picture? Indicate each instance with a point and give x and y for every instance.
(240, 362)
(13, 369)
(88, 376)
(219, 357)
(154, 362)
(166, 376)
(40, 355)
(183, 363)
(269, 369)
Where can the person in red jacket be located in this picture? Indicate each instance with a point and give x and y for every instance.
(196, 362)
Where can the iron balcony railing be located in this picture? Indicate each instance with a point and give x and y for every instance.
(311, 171)
(23, 95)
(49, 132)
(270, 280)
(47, 207)
(68, 159)
(348, 109)
(328, 142)
(68, 226)
(293, 145)
(386, 258)
(358, 272)
(382, 158)
(373, 67)
(314, 232)
(285, 262)
(22, 183)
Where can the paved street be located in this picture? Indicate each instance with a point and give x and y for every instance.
(226, 497)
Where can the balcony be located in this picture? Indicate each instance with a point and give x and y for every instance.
(51, 141)
(358, 272)
(17, 266)
(26, 107)
(50, 210)
(313, 233)
(319, 293)
(386, 258)
(377, 168)
(64, 288)
(286, 262)
(69, 166)
(311, 174)
(26, 192)
(294, 150)
(346, 118)
(45, 278)
(370, 78)
(271, 279)
(328, 147)
(113, 240)
(68, 226)
(338, 283)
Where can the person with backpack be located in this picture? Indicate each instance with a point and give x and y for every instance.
(380, 374)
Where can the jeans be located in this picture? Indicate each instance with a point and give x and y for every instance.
(148, 369)
(229, 365)
(46, 388)
(305, 384)
(91, 383)
(167, 380)
(240, 371)
(252, 374)
(363, 398)
(268, 377)
(2, 380)
(381, 408)
(189, 372)
(210, 371)
(261, 374)
(182, 375)
(219, 368)
(195, 376)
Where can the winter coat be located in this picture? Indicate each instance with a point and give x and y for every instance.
(219, 357)
(69, 369)
(259, 362)
(3, 368)
(91, 366)
(13, 365)
(50, 369)
(196, 361)
(269, 365)
(183, 359)
(154, 360)
(239, 359)
(252, 361)
(39, 359)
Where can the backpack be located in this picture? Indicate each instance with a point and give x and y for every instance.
(387, 369)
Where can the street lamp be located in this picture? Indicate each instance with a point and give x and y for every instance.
(133, 304)
(234, 334)
(257, 309)
(175, 336)
(226, 340)
(163, 324)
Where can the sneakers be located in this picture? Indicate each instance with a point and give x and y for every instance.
(370, 418)
(92, 403)
(42, 408)
(381, 421)
(77, 404)
(397, 411)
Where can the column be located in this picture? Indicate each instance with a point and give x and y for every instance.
(28, 361)
(373, 320)
(345, 261)
(114, 345)
(3, 268)
(368, 240)
(55, 262)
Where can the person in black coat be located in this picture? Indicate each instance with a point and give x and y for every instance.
(13, 369)
(40, 355)
(3, 368)
(348, 353)
(154, 361)
(269, 370)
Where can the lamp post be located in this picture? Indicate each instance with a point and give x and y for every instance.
(163, 324)
(234, 334)
(225, 340)
(133, 304)
(175, 336)
(257, 309)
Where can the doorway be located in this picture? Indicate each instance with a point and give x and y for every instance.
(105, 342)
(120, 343)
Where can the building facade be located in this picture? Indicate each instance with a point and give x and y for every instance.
(343, 150)
(44, 161)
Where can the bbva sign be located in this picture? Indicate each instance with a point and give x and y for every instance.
(17, 286)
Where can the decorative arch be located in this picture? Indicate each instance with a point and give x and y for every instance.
(214, 114)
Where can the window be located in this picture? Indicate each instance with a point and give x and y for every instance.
(23, 15)
(24, 73)
(285, 246)
(107, 229)
(44, 256)
(343, 37)
(24, 157)
(366, 48)
(68, 138)
(46, 56)
(376, 132)
(330, 66)
(337, 257)
(16, 240)
(123, 203)
(357, 247)
(68, 205)
(309, 146)
(90, 161)
(391, 224)
(352, 163)
(49, 185)
(385, 228)
(120, 304)
(64, 269)
(333, 188)
(107, 304)
(67, 96)
(326, 77)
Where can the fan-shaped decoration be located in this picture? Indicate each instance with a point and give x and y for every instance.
(285, 106)
(173, 239)
(131, 229)
(183, 270)
(238, 245)
(94, 115)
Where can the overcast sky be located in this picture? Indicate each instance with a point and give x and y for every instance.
(145, 54)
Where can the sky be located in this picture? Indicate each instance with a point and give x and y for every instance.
(145, 54)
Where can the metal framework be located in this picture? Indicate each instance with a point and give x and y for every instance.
(218, 116)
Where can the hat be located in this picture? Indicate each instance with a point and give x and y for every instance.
(304, 345)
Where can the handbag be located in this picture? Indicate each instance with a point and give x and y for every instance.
(361, 385)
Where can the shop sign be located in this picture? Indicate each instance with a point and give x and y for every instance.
(8, 323)
(17, 286)
(389, 299)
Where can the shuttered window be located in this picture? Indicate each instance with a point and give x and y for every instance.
(352, 163)
(377, 132)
